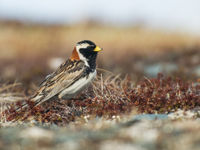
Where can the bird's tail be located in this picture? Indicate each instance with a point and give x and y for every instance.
(30, 103)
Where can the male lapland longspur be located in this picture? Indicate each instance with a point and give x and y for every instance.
(72, 76)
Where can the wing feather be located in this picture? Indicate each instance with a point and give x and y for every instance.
(59, 80)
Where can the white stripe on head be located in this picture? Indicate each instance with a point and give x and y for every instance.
(83, 45)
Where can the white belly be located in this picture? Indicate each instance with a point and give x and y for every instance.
(78, 86)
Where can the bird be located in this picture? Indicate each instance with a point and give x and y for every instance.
(71, 77)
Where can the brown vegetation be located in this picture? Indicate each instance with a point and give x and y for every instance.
(113, 96)
(25, 52)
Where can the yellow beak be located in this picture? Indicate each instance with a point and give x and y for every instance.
(97, 49)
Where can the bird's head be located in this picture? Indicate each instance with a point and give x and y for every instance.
(86, 51)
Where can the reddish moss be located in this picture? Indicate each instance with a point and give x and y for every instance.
(114, 97)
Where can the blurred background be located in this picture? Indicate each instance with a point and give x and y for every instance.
(139, 37)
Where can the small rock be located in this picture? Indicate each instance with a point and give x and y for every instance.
(154, 69)
(36, 133)
(181, 114)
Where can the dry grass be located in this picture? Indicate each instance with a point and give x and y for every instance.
(30, 40)
(112, 96)
(25, 52)
(9, 94)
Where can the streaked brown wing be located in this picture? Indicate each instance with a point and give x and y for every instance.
(56, 82)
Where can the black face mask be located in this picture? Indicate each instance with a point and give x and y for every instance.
(90, 55)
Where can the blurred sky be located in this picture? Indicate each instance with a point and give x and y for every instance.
(178, 15)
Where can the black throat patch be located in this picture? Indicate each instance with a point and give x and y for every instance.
(91, 58)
